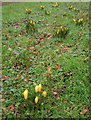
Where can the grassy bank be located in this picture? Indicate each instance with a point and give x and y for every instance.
(60, 64)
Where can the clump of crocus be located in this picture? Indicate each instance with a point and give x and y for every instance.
(78, 21)
(30, 26)
(28, 11)
(70, 7)
(75, 21)
(62, 31)
(36, 99)
(38, 89)
(73, 8)
(42, 7)
(25, 94)
(47, 12)
(44, 93)
(55, 5)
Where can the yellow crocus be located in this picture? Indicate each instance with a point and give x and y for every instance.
(42, 7)
(37, 89)
(25, 94)
(58, 31)
(31, 22)
(44, 93)
(74, 20)
(61, 27)
(36, 99)
(40, 86)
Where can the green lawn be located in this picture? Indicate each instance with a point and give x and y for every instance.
(60, 64)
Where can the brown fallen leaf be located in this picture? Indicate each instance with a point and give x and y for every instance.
(19, 35)
(64, 49)
(2, 100)
(3, 78)
(42, 63)
(84, 111)
(4, 109)
(12, 108)
(10, 49)
(57, 66)
(48, 72)
(49, 36)
(31, 48)
(55, 93)
(40, 39)
(35, 53)
(7, 36)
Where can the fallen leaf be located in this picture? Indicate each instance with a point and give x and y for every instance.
(7, 36)
(84, 111)
(12, 108)
(10, 49)
(3, 78)
(31, 48)
(42, 63)
(49, 36)
(35, 53)
(2, 100)
(57, 66)
(64, 49)
(37, 45)
(19, 35)
(48, 72)
(55, 93)
(4, 109)
(40, 39)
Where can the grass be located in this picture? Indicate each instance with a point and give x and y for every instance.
(26, 62)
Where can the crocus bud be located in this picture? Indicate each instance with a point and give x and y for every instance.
(44, 93)
(36, 99)
(37, 89)
(25, 94)
(40, 86)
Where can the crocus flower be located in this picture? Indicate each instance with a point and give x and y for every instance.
(25, 94)
(37, 89)
(44, 93)
(58, 31)
(36, 99)
(40, 86)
